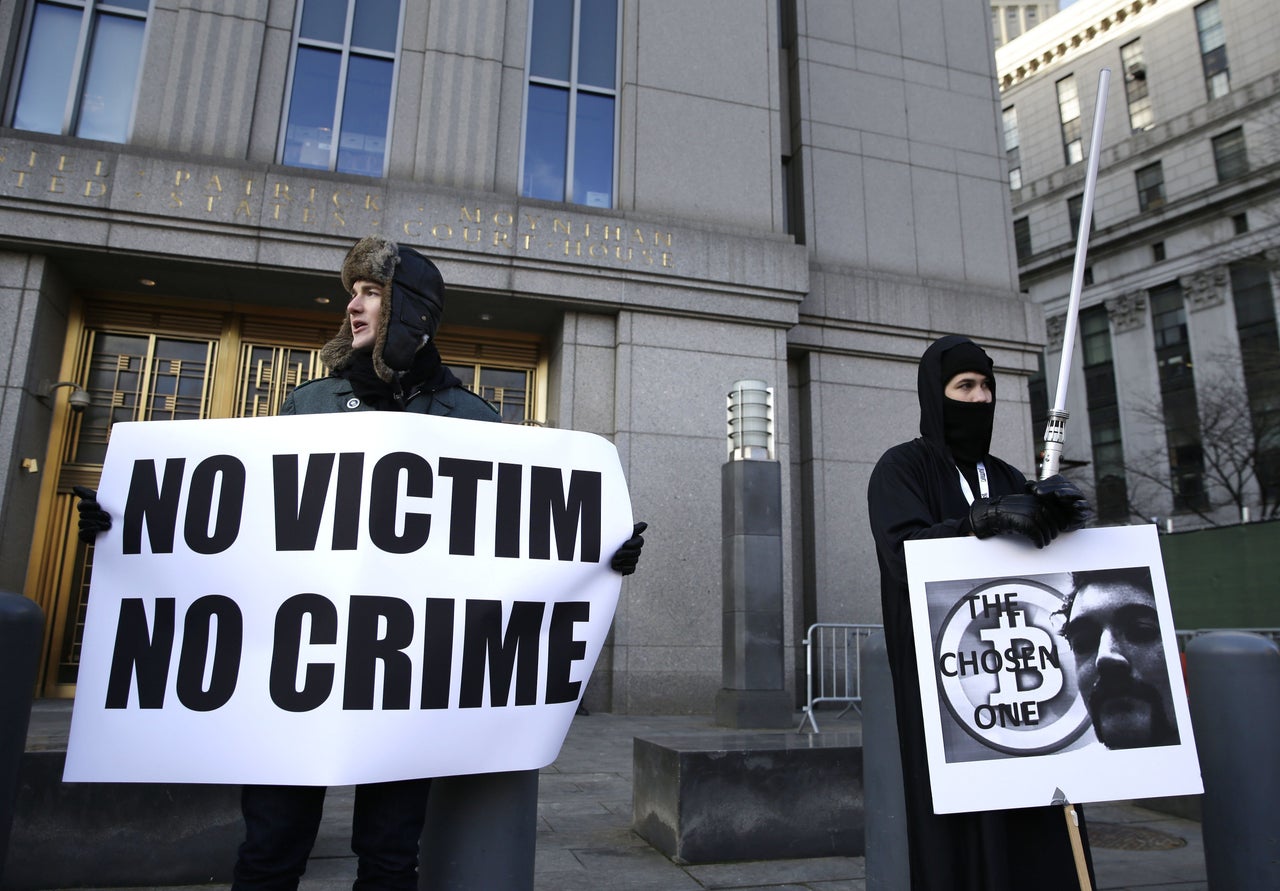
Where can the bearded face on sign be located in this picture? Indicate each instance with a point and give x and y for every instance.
(1114, 632)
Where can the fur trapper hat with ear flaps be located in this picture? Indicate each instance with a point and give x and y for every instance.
(412, 304)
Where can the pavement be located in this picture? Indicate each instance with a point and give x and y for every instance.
(585, 841)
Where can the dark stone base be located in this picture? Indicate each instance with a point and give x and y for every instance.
(763, 796)
(105, 835)
(758, 709)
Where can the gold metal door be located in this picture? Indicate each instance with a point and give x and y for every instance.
(143, 363)
(171, 360)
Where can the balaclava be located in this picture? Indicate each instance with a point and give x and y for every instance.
(940, 424)
(967, 425)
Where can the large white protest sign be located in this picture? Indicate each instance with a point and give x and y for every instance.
(1047, 673)
(335, 599)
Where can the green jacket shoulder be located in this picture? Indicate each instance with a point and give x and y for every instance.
(334, 394)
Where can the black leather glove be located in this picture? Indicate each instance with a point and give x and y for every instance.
(1023, 515)
(627, 555)
(1066, 504)
(93, 519)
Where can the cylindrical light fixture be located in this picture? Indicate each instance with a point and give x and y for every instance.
(750, 410)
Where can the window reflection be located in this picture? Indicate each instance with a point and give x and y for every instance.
(571, 100)
(1213, 48)
(1069, 115)
(113, 70)
(546, 143)
(597, 63)
(46, 73)
(550, 51)
(309, 134)
(376, 24)
(364, 123)
(340, 97)
(96, 80)
(593, 152)
(324, 20)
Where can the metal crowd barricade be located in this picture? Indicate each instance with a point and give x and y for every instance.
(832, 654)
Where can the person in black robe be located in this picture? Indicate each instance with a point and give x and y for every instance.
(943, 484)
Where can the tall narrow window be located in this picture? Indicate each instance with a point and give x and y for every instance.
(793, 198)
(1178, 397)
(1069, 117)
(1135, 85)
(1022, 238)
(340, 93)
(1260, 355)
(79, 68)
(1012, 151)
(1012, 23)
(1213, 49)
(1038, 400)
(571, 102)
(1075, 208)
(1112, 493)
(1150, 182)
(1229, 157)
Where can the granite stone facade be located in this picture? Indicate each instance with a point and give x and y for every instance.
(808, 193)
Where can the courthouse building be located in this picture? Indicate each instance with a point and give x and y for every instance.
(1010, 21)
(635, 203)
(1174, 393)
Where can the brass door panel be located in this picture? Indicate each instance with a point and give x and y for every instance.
(142, 361)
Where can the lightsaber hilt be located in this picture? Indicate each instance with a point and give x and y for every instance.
(1055, 434)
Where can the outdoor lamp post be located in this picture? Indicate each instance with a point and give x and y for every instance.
(752, 655)
(750, 423)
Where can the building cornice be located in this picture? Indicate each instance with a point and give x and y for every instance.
(1077, 29)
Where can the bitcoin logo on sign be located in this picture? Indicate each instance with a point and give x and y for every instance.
(1013, 637)
(1000, 670)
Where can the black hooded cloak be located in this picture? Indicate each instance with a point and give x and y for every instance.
(915, 493)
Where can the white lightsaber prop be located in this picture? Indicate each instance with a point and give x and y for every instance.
(1055, 430)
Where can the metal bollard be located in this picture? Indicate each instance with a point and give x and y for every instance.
(21, 630)
(481, 832)
(887, 864)
(1234, 679)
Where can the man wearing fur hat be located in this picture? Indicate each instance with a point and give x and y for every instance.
(383, 359)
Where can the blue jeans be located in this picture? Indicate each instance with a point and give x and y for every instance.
(281, 823)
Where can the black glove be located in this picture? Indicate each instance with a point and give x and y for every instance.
(93, 519)
(1023, 515)
(627, 555)
(1066, 505)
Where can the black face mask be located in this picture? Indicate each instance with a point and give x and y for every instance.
(967, 428)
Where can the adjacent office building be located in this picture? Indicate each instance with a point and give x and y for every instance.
(635, 203)
(1174, 385)
(1010, 21)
